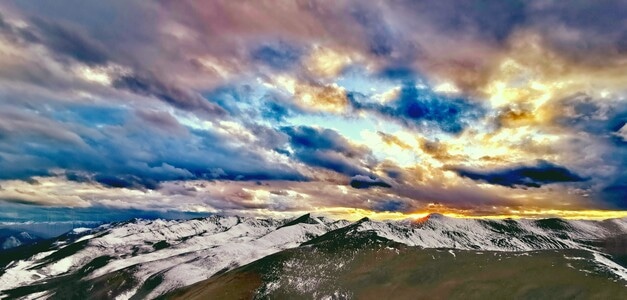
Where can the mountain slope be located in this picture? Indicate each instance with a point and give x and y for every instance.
(145, 259)
(387, 270)
(178, 253)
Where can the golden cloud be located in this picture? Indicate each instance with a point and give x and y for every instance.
(325, 62)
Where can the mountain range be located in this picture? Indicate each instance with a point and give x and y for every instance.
(230, 257)
(11, 238)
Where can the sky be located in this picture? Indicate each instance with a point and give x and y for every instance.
(386, 109)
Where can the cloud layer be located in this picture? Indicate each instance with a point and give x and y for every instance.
(349, 107)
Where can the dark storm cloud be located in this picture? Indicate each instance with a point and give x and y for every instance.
(67, 42)
(535, 175)
(77, 177)
(131, 152)
(365, 182)
(70, 42)
(589, 30)
(151, 86)
(117, 29)
(126, 181)
(321, 139)
(585, 29)
(379, 38)
(393, 171)
(327, 149)
(493, 20)
(62, 39)
(333, 161)
(391, 206)
(616, 193)
(280, 55)
(416, 107)
(388, 45)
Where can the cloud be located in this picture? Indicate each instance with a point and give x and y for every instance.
(492, 21)
(616, 193)
(393, 140)
(275, 111)
(70, 42)
(327, 149)
(535, 175)
(150, 86)
(365, 182)
(333, 161)
(391, 206)
(587, 30)
(29, 213)
(62, 39)
(279, 56)
(325, 62)
(321, 139)
(161, 120)
(192, 105)
(379, 39)
(436, 149)
(310, 96)
(137, 151)
(126, 181)
(415, 107)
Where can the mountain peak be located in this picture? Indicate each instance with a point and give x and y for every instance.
(431, 216)
(362, 220)
(223, 242)
(304, 219)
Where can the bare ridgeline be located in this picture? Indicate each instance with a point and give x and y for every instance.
(222, 257)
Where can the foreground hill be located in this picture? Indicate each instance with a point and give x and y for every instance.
(146, 259)
(379, 269)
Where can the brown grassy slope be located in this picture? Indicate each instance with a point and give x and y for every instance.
(381, 272)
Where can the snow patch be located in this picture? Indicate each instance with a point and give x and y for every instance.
(613, 267)
(452, 253)
(80, 230)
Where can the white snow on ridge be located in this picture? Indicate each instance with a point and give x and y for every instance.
(234, 254)
(615, 268)
(80, 230)
(118, 241)
(501, 235)
(219, 236)
(185, 252)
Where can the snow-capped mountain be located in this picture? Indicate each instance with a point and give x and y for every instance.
(146, 259)
(14, 238)
(438, 231)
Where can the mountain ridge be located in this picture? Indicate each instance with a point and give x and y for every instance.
(170, 254)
